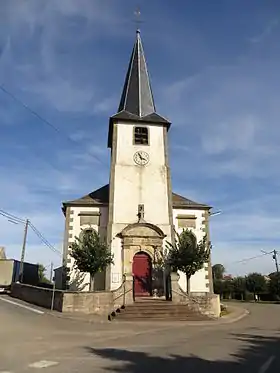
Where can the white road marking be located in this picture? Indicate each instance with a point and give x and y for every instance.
(43, 364)
(5, 371)
(266, 365)
(22, 305)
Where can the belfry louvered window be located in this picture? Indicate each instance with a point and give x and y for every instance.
(141, 136)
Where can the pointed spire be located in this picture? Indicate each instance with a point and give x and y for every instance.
(137, 102)
(137, 96)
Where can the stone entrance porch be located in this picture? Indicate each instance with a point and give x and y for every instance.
(142, 238)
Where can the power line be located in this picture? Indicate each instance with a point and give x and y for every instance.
(11, 217)
(252, 258)
(16, 219)
(45, 121)
(27, 108)
(43, 239)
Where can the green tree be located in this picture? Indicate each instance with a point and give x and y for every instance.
(91, 254)
(218, 287)
(228, 288)
(256, 283)
(239, 286)
(41, 274)
(274, 285)
(187, 255)
(218, 271)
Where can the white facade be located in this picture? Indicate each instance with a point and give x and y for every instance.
(199, 283)
(78, 281)
(136, 185)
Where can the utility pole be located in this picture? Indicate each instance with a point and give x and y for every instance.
(275, 260)
(274, 256)
(51, 272)
(23, 251)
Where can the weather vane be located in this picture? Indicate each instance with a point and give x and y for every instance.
(138, 20)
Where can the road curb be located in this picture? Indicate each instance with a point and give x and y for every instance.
(232, 319)
(229, 319)
(60, 315)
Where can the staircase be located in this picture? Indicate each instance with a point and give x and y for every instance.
(146, 309)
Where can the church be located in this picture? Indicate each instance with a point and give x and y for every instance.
(137, 212)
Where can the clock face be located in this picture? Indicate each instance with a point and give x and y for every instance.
(141, 158)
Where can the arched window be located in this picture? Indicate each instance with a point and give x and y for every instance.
(141, 136)
(86, 231)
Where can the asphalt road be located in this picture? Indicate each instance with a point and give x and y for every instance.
(31, 341)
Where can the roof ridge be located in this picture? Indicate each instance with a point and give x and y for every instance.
(100, 196)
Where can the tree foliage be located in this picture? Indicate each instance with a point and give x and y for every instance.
(247, 287)
(90, 253)
(188, 255)
(42, 274)
(256, 283)
(239, 287)
(218, 271)
(274, 285)
(218, 286)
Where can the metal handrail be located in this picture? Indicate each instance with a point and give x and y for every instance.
(125, 291)
(122, 294)
(185, 295)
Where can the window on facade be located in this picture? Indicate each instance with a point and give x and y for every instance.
(186, 222)
(89, 219)
(84, 232)
(141, 136)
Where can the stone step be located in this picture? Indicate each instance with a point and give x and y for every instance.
(166, 318)
(162, 316)
(159, 306)
(159, 314)
(161, 310)
(158, 310)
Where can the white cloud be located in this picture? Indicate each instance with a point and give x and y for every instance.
(265, 33)
(235, 134)
(63, 95)
(52, 73)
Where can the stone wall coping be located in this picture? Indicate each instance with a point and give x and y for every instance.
(37, 287)
(85, 292)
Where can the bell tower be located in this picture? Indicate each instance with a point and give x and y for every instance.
(140, 183)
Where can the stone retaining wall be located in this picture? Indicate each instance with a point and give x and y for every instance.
(36, 295)
(207, 304)
(99, 302)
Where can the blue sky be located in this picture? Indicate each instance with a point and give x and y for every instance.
(215, 75)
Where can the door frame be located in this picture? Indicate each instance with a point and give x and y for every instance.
(150, 263)
(139, 237)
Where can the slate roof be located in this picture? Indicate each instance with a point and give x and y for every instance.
(137, 101)
(100, 197)
(137, 97)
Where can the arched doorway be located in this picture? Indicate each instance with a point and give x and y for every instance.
(142, 273)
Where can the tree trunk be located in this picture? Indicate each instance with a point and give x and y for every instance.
(188, 285)
(91, 283)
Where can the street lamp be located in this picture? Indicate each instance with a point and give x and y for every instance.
(215, 213)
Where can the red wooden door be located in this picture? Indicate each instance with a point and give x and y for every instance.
(142, 271)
